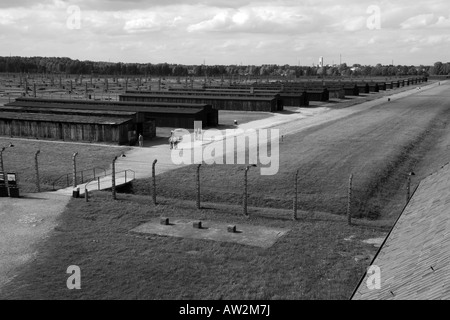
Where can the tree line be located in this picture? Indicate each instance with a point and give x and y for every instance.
(48, 65)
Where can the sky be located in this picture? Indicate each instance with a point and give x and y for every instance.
(193, 32)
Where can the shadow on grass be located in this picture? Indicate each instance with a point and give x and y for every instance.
(27, 197)
(224, 127)
(289, 111)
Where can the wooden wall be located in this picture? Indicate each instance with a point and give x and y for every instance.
(66, 131)
(149, 129)
(382, 86)
(351, 90)
(373, 87)
(186, 122)
(363, 88)
(336, 93)
(269, 105)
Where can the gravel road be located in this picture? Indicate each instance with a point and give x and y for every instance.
(24, 222)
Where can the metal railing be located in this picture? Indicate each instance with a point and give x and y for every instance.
(82, 177)
(128, 176)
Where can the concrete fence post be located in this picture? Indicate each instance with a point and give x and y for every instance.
(245, 196)
(245, 193)
(198, 186)
(349, 203)
(113, 179)
(36, 165)
(2, 169)
(295, 196)
(154, 181)
(74, 176)
(408, 187)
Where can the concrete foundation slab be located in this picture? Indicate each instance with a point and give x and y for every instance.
(245, 234)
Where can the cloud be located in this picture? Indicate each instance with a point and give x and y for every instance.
(10, 17)
(20, 3)
(188, 31)
(442, 22)
(354, 24)
(143, 24)
(418, 21)
(220, 21)
(266, 19)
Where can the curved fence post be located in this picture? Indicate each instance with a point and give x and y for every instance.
(36, 163)
(295, 196)
(74, 169)
(198, 186)
(154, 181)
(349, 201)
(113, 179)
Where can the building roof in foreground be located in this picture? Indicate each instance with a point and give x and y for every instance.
(415, 259)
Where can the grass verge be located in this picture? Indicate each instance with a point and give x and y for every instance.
(55, 160)
(313, 261)
(379, 146)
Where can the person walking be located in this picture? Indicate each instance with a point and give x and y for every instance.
(171, 140)
(141, 141)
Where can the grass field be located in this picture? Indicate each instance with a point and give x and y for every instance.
(313, 261)
(320, 258)
(55, 160)
(379, 146)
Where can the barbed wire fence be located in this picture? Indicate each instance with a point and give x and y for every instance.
(233, 184)
(355, 198)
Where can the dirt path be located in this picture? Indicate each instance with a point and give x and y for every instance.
(25, 222)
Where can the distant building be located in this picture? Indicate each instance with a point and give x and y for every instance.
(321, 62)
